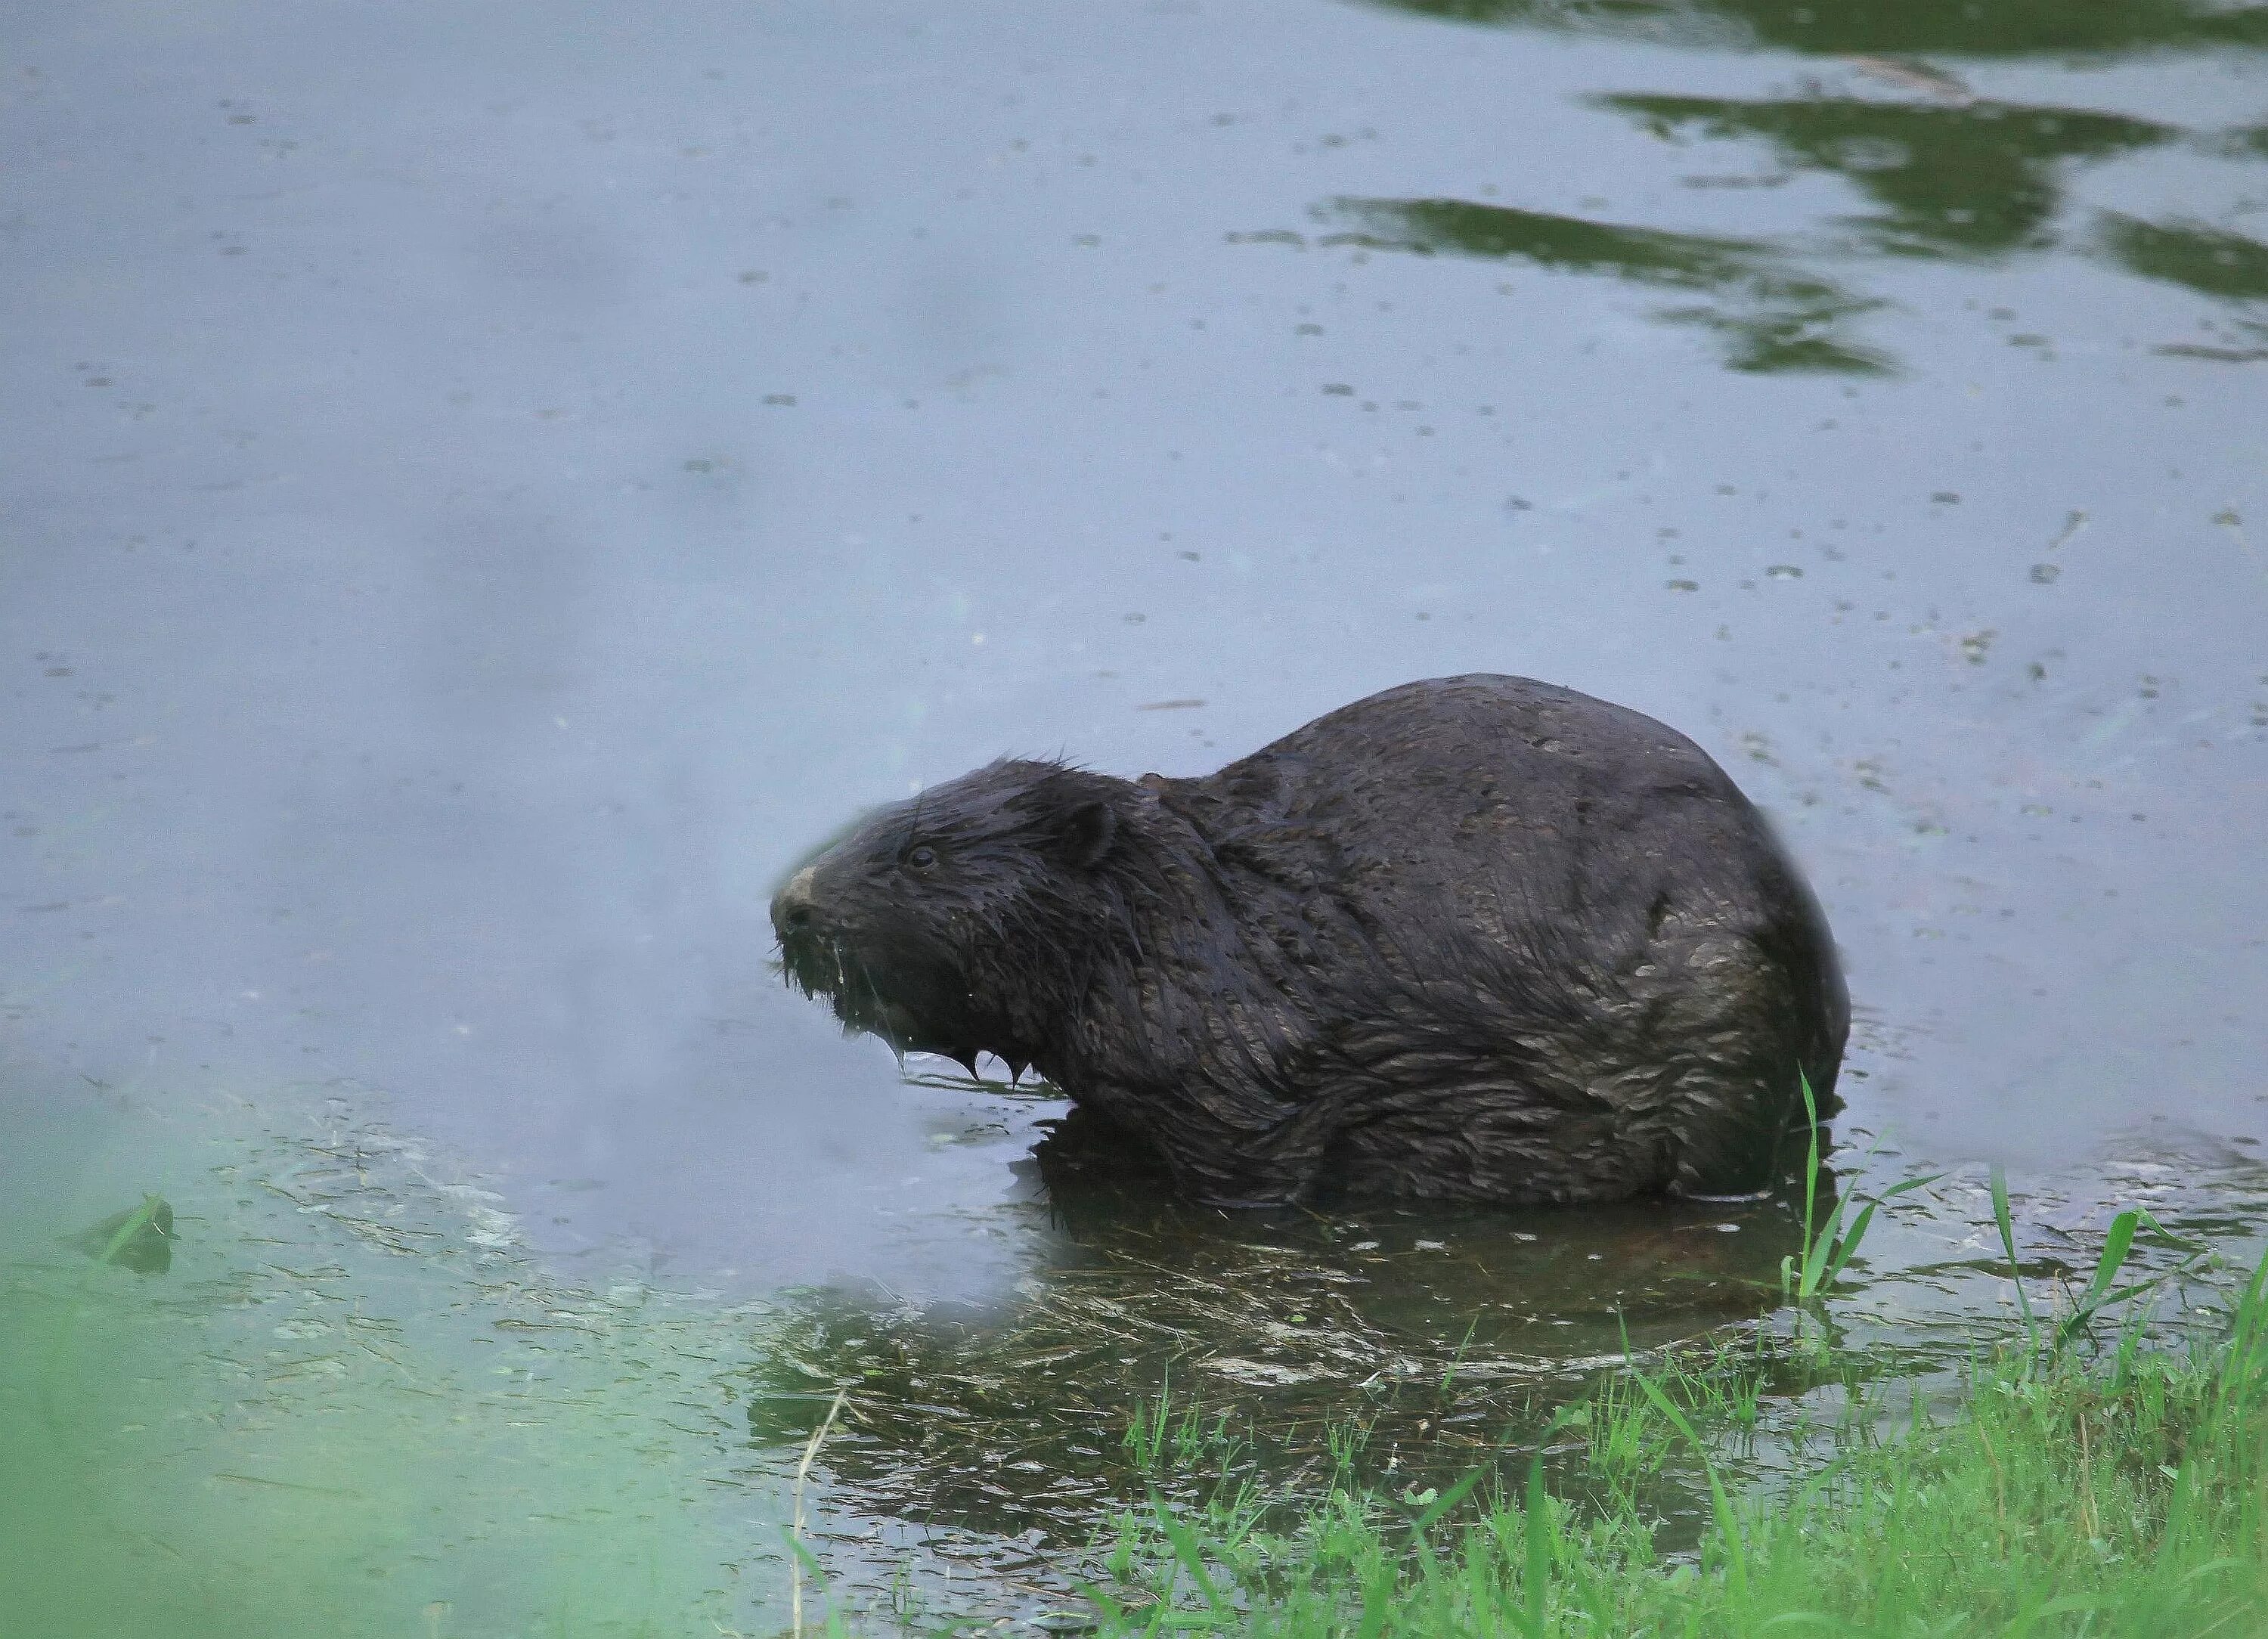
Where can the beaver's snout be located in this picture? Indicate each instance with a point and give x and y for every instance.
(812, 946)
(795, 907)
(831, 946)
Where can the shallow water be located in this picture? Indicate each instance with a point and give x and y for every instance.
(488, 489)
(351, 1404)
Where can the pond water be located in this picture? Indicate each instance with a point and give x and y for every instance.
(489, 489)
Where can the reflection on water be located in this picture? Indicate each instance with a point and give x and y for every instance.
(1977, 181)
(1996, 28)
(1951, 175)
(2212, 261)
(1772, 315)
(1274, 1349)
(1437, 1335)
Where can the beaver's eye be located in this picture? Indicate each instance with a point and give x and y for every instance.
(922, 857)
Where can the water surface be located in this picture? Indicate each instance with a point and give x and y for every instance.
(489, 488)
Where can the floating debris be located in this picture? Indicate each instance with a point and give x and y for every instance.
(140, 1239)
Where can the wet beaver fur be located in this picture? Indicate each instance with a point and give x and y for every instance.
(1477, 938)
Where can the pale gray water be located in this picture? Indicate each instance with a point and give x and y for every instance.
(485, 487)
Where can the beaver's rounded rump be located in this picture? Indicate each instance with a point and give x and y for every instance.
(1475, 938)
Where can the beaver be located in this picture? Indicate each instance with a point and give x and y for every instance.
(1475, 939)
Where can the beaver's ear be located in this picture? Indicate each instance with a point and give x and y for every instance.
(1085, 832)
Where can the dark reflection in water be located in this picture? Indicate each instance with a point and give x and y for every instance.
(2210, 260)
(1443, 1338)
(1995, 29)
(1772, 315)
(1407, 1348)
(1978, 181)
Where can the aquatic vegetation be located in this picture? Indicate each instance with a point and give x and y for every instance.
(1829, 1243)
(2059, 1492)
(1401, 1343)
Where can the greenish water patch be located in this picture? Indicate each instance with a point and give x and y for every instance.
(2214, 261)
(345, 1402)
(1932, 170)
(1974, 179)
(1772, 316)
(1998, 28)
(1951, 178)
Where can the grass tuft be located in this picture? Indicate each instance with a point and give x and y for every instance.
(2064, 1491)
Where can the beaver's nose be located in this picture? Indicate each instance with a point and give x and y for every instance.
(794, 910)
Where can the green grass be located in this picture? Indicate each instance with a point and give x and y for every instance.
(2122, 1494)
(1829, 1243)
(2072, 1484)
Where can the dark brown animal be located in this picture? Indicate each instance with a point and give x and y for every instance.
(1477, 938)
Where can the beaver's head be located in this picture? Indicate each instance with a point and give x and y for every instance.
(969, 919)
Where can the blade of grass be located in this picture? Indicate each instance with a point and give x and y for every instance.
(1535, 1529)
(1827, 1247)
(2116, 1245)
(1190, 1553)
(1728, 1526)
(133, 1226)
(1810, 1176)
(1536, 1534)
(795, 1529)
(1443, 1503)
(1847, 1244)
(2015, 1268)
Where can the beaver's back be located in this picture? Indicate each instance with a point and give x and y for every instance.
(1576, 891)
(1499, 803)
